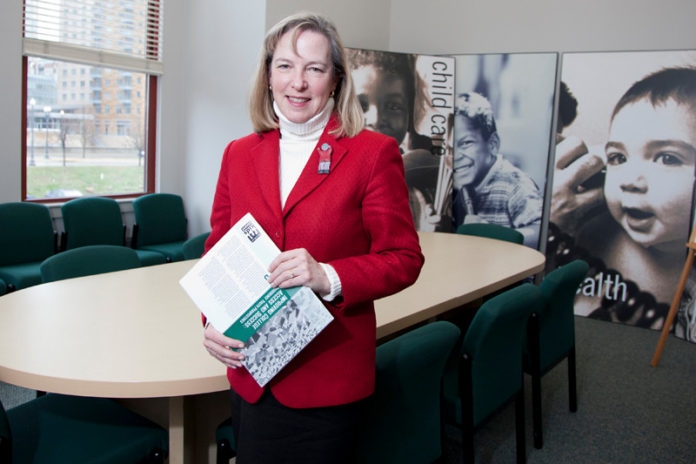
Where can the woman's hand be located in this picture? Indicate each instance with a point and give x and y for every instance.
(297, 267)
(221, 347)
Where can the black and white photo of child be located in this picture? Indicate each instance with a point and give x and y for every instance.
(623, 185)
(503, 116)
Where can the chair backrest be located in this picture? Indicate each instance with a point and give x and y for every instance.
(160, 218)
(88, 260)
(492, 231)
(493, 343)
(92, 221)
(26, 233)
(194, 247)
(402, 422)
(557, 312)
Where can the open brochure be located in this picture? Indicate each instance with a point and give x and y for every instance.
(229, 285)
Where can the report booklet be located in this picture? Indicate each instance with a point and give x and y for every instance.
(229, 285)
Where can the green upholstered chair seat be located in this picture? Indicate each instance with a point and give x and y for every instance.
(492, 231)
(70, 429)
(88, 260)
(173, 250)
(195, 246)
(149, 257)
(402, 421)
(21, 275)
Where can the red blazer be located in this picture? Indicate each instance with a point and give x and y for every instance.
(357, 219)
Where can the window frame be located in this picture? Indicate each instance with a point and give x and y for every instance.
(150, 119)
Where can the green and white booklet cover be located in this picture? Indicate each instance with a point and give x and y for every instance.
(229, 285)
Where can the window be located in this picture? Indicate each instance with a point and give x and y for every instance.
(90, 143)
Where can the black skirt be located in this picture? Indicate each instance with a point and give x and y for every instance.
(269, 433)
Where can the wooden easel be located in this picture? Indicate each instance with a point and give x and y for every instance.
(691, 245)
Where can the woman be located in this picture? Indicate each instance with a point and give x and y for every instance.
(333, 197)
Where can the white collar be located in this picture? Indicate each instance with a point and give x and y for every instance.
(316, 124)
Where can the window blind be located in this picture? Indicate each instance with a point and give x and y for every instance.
(124, 34)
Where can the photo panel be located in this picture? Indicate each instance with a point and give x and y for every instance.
(410, 97)
(502, 133)
(623, 179)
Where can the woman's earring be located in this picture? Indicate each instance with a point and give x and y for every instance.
(333, 92)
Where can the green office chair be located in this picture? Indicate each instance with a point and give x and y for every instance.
(488, 375)
(92, 221)
(160, 224)
(71, 429)
(492, 231)
(402, 420)
(88, 260)
(98, 221)
(26, 239)
(194, 247)
(551, 335)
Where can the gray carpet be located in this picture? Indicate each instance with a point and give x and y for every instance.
(12, 396)
(628, 411)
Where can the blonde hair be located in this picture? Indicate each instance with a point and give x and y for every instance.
(350, 116)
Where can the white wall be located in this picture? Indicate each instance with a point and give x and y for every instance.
(208, 63)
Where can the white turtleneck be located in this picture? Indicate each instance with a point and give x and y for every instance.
(297, 141)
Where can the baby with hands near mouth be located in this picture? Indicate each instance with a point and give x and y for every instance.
(649, 158)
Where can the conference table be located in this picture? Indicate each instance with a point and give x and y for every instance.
(136, 334)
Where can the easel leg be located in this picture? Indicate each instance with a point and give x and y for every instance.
(675, 302)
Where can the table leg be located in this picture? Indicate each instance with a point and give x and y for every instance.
(176, 430)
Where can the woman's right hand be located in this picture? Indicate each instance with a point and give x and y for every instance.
(222, 348)
(571, 200)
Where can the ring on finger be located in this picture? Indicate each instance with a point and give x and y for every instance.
(292, 275)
